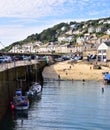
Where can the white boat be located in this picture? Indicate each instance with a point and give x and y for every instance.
(20, 102)
(34, 90)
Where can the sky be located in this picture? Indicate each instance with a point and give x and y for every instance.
(21, 18)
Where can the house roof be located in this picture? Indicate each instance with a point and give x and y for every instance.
(102, 46)
(105, 37)
(107, 43)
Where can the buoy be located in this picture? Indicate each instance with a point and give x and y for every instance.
(12, 106)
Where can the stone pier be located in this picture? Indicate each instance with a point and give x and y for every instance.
(15, 75)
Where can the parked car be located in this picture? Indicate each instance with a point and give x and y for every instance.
(65, 57)
(59, 59)
(26, 57)
(1, 59)
(7, 59)
(93, 56)
(80, 57)
(15, 58)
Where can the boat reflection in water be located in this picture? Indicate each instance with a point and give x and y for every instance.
(16, 115)
(21, 114)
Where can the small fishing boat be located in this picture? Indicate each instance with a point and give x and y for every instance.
(34, 90)
(20, 102)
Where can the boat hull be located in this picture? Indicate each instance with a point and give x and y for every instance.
(34, 90)
(107, 78)
(106, 81)
(22, 107)
(20, 102)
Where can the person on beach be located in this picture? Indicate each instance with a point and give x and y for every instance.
(102, 89)
(83, 80)
(59, 77)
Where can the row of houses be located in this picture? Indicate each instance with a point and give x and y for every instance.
(90, 29)
(101, 50)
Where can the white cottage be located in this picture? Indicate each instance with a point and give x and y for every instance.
(104, 51)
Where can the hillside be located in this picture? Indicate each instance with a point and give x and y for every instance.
(77, 29)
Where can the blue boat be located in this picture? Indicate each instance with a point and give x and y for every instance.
(20, 102)
(107, 78)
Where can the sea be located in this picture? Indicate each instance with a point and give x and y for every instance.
(64, 105)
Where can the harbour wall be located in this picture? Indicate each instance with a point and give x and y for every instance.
(19, 76)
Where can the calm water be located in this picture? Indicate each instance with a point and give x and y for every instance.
(65, 105)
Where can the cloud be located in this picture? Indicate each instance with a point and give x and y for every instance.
(30, 9)
(13, 33)
(16, 32)
(20, 18)
(49, 8)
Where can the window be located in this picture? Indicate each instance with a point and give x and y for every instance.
(104, 57)
(104, 51)
(99, 51)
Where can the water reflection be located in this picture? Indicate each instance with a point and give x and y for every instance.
(65, 105)
(20, 114)
(7, 123)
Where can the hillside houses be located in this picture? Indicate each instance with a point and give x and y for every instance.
(108, 31)
(25, 48)
(86, 43)
(65, 38)
(91, 29)
(97, 29)
(85, 36)
(101, 29)
(80, 40)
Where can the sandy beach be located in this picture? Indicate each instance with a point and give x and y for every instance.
(75, 71)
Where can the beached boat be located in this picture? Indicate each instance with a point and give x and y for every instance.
(107, 78)
(34, 90)
(20, 102)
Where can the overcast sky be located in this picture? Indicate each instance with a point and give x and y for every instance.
(21, 18)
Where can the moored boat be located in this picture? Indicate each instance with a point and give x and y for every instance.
(20, 102)
(34, 90)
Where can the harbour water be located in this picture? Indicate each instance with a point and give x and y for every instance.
(65, 105)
